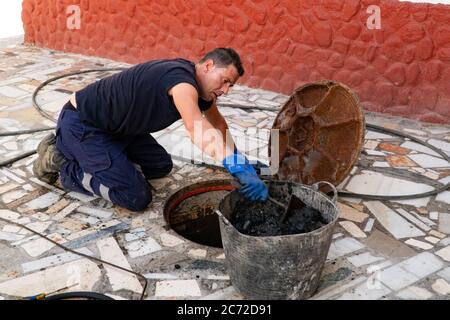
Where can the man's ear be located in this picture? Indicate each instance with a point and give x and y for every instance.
(209, 65)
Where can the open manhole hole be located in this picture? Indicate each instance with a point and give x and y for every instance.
(190, 211)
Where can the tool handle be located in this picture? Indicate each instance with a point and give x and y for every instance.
(316, 186)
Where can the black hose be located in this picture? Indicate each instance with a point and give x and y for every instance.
(341, 193)
(78, 295)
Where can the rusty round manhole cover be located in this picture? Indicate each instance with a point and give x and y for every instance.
(321, 130)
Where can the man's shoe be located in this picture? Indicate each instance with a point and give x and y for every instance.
(48, 165)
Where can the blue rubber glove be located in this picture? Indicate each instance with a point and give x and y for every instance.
(252, 187)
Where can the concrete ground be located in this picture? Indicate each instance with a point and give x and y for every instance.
(380, 250)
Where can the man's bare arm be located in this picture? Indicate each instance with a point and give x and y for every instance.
(202, 133)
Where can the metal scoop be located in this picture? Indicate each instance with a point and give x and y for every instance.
(293, 204)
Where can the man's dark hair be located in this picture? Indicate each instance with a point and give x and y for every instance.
(223, 57)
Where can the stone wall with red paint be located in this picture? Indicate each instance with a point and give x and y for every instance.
(403, 68)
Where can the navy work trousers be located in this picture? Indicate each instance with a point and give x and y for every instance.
(115, 168)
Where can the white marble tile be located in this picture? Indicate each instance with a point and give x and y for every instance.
(197, 253)
(363, 259)
(444, 222)
(418, 147)
(418, 203)
(81, 197)
(7, 236)
(366, 292)
(392, 221)
(142, 247)
(381, 164)
(13, 196)
(444, 197)
(169, 240)
(43, 201)
(337, 235)
(371, 135)
(12, 92)
(12, 176)
(369, 225)
(119, 279)
(99, 213)
(8, 187)
(353, 229)
(445, 180)
(39, 226)
(342, 247)
(375, 153)
(371, 144)
(37, 247)
(177, 288)
(221, 256)
(378, 184)
(432, 240)
(54, 260)
(160, 276)
(442, 287)
(397, 278)
(413, 219)
(445, 273)
(66, 211)
(434, 215)
(80, 275)
(427, 161)
(444, 253)
(414, 293)
(419, 244)
(437, 130)
(338, 289)
(437, 234)
(9, 215)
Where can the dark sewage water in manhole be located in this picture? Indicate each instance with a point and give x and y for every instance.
(194, 218)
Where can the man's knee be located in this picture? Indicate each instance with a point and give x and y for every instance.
(133, 199)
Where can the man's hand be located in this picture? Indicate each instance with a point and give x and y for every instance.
(252, 187)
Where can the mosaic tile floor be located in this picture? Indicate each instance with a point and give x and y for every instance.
(380, 249)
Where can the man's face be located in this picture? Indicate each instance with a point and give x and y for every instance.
(215, 81)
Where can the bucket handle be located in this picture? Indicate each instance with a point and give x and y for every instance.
(225, 220)
(316, 185)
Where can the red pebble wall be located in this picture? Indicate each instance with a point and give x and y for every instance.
(403, 68)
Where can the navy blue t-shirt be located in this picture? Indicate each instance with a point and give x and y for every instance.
(135, 101)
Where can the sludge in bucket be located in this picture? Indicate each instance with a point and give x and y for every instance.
(282, 266)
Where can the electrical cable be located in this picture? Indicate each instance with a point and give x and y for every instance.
(81, 254)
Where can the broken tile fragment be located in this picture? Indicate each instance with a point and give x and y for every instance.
(444, 222)
(79, 275)
(363, 259)
(119, 279)
(54, 260)
(399, 161)
(198, 253)
(419, 244)
(142, 247)
(348, 213)
(414, 293)
(37, 247)
(442, 287)
(99, 213)
(444, 253)
(353, 229)
(169, 240)
(177, 288)
(342, 247)
(43, 201)
(393, 222)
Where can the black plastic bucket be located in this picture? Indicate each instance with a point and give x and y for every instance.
(278, 267)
